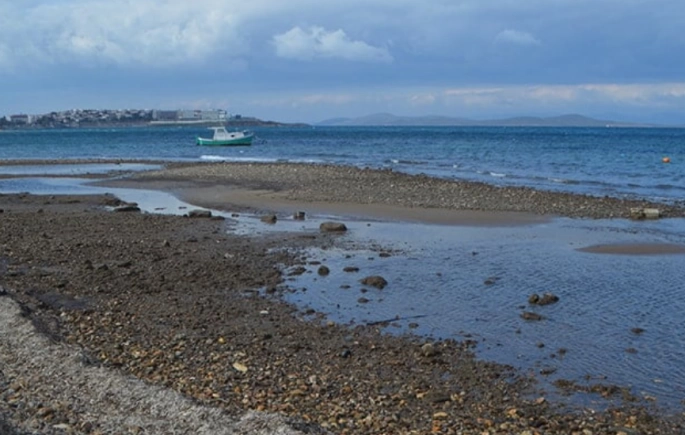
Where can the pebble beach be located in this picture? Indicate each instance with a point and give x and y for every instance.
(182, 321)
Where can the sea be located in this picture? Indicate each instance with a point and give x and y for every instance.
(619, 319)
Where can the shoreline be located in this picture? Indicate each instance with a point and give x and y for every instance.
(314, 183)
(297, 364)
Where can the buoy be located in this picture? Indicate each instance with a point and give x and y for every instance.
(666, 160)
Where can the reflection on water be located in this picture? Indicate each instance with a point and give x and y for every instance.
(74, 169)
(459, 282)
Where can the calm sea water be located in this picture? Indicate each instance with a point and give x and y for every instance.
(597, 161)
(437, 279)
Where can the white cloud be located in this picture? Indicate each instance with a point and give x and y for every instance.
(122, 32)
(319, 43)
(516, 37)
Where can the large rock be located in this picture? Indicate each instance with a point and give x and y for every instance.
(127, 207)
(639, 213)
(199, 213)
(332, 227)
(545, 299)
(375, 281)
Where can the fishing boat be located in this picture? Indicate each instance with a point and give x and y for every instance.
(222, 137)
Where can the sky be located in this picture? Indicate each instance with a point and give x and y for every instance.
(310, 60)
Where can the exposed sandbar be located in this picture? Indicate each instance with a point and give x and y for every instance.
(381, 192)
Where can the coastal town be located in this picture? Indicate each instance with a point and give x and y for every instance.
(78, 118)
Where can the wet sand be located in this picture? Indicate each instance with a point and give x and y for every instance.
(636, 249)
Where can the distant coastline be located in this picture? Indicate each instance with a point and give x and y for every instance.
(89, 118)
(569, 120)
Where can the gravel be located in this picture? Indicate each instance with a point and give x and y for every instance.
(139, 323)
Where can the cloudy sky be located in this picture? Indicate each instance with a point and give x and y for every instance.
(308, 60)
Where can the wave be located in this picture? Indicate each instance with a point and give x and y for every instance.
(214, 158)
(406, 162)
(563, 181)
(252, 159)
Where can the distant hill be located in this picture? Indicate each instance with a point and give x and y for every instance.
(387, 119)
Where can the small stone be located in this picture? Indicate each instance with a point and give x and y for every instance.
(527, 315)
(323, 271)
(269, 219)
(438, 396)
(428, 350)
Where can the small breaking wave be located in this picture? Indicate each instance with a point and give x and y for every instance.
(214, 158)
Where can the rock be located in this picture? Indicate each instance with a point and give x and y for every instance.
(323, 270)
(639, 213)
(269, 219)
(199, 213)
(375, 281)
(362, 300)
(428, 350)
(332, 227)
(637, 330)
(127, 207)
(350, 269)
(548, 298)
(491, 280)
(527, 315)
(296, 271)
(545, 299)
(438, 396)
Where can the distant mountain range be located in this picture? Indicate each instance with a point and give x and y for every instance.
(387, 119)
